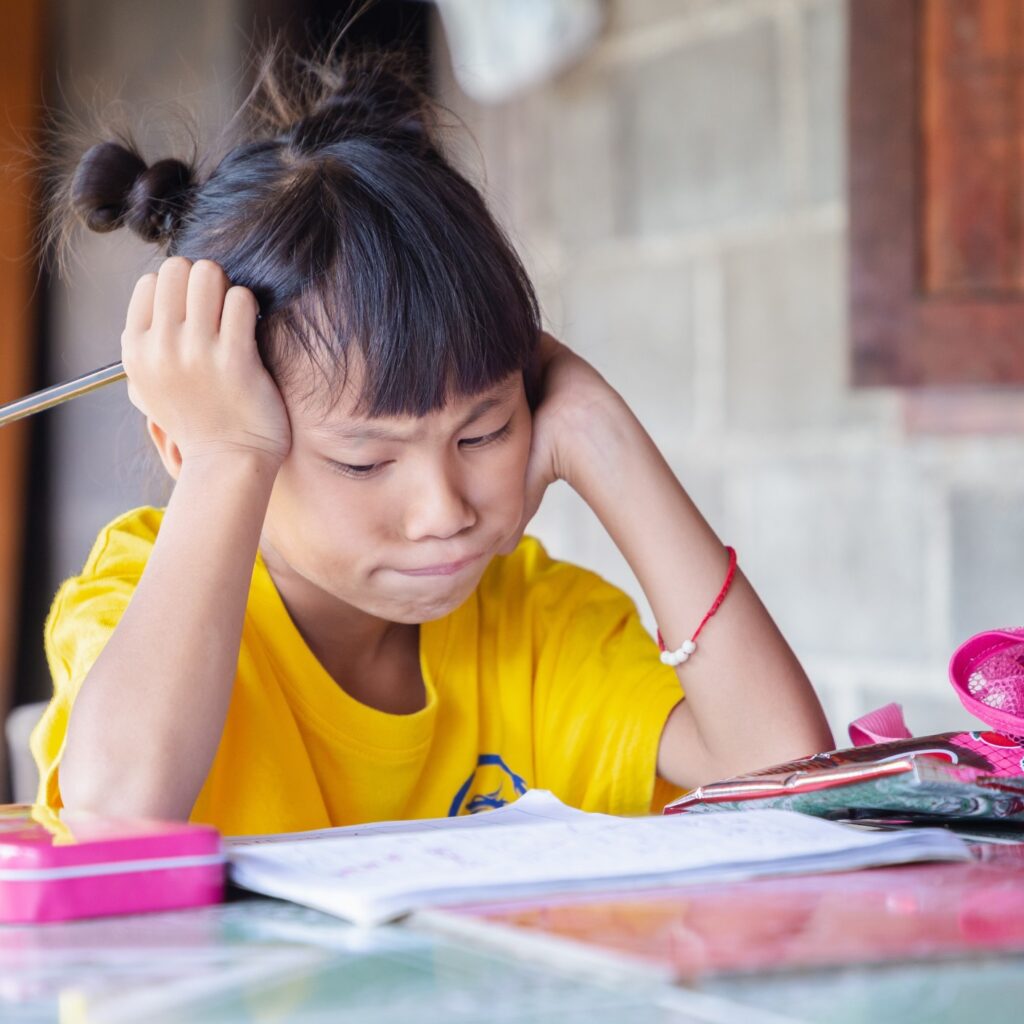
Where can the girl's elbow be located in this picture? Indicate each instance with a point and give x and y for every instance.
(119, 794)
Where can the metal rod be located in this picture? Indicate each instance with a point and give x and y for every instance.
(58, 393)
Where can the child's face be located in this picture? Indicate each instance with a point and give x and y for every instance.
(399, 517)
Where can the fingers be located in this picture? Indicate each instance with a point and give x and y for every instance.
(546, 352)
(193, 366)
(171, 288)
(204, 298)
(192, 292)
(238, 321)
(140, 308)
(184, 291)
(197, 295)
(548, 347)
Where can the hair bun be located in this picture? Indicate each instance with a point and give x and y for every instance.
(347, 116)
(113, 186)
(380, 101)
(375, 96)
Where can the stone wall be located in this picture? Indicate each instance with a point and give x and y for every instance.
(679, 198)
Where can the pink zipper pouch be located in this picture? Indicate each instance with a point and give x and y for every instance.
(78, 865)
(987, 674)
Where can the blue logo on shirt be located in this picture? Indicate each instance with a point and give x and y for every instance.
(493, 784)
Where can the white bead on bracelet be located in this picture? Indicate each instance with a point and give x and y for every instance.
(679, 655)
(682, 653)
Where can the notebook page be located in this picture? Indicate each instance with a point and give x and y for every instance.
(385, 874)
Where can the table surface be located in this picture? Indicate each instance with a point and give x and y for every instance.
(268, 961)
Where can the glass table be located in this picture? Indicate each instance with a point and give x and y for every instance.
(264, 960)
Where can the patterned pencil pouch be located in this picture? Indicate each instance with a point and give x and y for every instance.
(888, 771)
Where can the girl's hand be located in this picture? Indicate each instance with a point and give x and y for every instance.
(571, 390)
(189, 351)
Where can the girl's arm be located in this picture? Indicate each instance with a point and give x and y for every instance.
(748, 702)
(146, 724)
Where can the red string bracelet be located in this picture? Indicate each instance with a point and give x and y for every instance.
(681, 654)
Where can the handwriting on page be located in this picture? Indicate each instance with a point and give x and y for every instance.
(570, 849)
(372, 873)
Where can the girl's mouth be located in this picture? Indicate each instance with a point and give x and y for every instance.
(446, 569)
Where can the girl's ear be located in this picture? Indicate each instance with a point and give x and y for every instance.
(166, 448)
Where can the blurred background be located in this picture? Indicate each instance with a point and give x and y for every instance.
(723, 205)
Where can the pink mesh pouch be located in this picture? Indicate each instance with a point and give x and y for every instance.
(987, 673)
(888, 771)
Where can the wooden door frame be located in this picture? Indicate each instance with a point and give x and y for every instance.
(21, 105)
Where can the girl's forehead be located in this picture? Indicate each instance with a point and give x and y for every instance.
(345, 420)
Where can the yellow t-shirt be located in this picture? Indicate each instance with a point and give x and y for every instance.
(544, 677)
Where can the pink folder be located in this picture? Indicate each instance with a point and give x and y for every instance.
(803, 922)
(77, 865)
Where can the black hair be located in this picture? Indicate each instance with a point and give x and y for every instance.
(336, 206)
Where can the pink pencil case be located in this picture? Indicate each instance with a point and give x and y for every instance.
(77, 865)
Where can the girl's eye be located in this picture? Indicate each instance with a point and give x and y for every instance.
(356, 472)
(479, 442)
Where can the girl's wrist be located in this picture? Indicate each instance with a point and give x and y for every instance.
(243, 474)
(216, 460)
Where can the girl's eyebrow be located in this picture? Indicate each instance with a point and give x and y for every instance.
(371, 432)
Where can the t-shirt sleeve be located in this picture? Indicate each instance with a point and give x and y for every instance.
(601, 695)
(84, 613)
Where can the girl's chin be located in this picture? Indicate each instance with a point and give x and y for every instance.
(428, 607)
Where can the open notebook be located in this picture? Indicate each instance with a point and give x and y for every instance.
(374, 873)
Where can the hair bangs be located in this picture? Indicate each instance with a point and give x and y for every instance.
(436, 306)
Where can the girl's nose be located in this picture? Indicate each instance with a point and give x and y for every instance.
(438, 509)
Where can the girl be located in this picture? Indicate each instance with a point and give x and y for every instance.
(337, 618)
